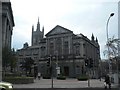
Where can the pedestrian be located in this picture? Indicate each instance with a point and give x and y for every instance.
(39, 75)
(107, 82)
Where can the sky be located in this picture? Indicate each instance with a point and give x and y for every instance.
(79, 16)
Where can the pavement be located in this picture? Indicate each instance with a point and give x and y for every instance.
(68, 83)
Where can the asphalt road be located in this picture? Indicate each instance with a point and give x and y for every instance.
(65, 89)
(69, 84)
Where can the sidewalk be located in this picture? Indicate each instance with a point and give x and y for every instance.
(68, 83)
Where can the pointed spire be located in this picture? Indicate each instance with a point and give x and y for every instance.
(38, 21)
(43, 31)
(96, 39)
(38, 25)
(92, 37)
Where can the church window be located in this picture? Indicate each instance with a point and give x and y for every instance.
(42, 51)
(66, 48)
(77, 49)
(51, 48)
(59, 45)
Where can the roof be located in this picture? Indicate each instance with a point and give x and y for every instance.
(58, 30)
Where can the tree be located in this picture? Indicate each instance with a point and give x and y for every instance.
(13, 60)
(6, 53)
(8, 58)
(27, 65)
(113, 45)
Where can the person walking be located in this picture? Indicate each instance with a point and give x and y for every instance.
(107, 82)
(39, 75)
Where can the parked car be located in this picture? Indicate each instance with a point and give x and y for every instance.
(6, 86)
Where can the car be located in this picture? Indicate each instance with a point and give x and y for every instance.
(6, 86)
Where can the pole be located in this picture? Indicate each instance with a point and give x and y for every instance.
(51, 68)
(52, 76)
(57, 63)
(88, 79)
(110, 67)
(108, 48)
(88, 70)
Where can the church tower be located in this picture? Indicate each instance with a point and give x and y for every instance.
(37, 35)
(38, 26)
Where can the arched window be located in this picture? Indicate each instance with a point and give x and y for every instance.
(77, 48)
(66, 48)
(42, 51)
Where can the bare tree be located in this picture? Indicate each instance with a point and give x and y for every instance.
(113, 47)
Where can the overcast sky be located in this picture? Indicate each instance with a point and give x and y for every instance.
(79, 16)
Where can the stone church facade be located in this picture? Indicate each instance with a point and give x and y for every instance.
(66, 50)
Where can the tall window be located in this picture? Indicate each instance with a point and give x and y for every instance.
(42, 51)
(66, 47)
(77, 49)
(59, 45)
(51, 48)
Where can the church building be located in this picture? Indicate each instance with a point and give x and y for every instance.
(69, 54)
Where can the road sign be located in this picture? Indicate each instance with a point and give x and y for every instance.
(58, 70)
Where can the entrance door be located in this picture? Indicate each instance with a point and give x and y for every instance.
(66, 71)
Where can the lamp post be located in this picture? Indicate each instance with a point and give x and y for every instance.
(110, 67)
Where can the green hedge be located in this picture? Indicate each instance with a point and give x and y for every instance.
(83, 78)
(19, 80)
(61, 77)
(47, 76)
(12, 74)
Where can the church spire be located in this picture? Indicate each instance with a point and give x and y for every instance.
(92, 37)
(38, 25)
(96, 39)
(43, 31)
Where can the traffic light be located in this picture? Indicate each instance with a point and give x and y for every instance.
(91, 62)
(86, 62)
(49, 62)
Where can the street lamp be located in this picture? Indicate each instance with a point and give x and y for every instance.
(110, 67)
(112, 14)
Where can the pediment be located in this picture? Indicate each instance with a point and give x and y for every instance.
(58, 30)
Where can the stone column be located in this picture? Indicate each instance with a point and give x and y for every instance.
(4, 22)
(54, 41)
(62, 45)
(82, 49)
(69, 44)
(47, 46)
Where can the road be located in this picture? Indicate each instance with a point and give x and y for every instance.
(65, 89)
(72, 84)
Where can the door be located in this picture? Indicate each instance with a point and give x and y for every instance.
(66, 71)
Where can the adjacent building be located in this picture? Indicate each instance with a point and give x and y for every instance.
(7, 23)
(70, 54)
(6, 27)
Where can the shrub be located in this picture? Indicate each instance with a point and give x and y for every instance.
(19, 80)
(61, 77)
(12, 74)
(47, 76)
(83, 78)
